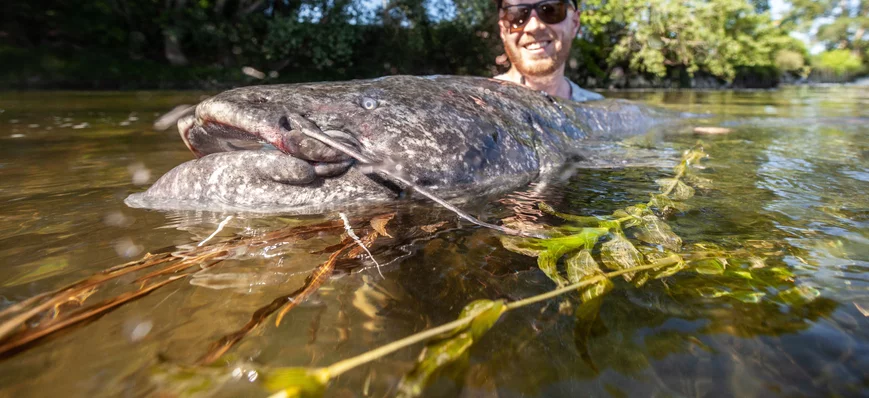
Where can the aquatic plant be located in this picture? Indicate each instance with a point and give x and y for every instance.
(578, 241)
(581, 255)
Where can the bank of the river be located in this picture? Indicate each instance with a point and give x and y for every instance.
(49, 69)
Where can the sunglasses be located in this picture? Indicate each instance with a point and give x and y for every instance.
(549, 12)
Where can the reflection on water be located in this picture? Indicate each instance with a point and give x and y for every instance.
(785, 315)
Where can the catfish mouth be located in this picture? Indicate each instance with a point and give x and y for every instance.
(220, 127)
(214, 137)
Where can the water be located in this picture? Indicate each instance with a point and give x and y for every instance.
(787, 316)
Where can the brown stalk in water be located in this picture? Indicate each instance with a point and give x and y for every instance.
(184, 264)
(314, 281)
(219, 347)
(28, 336)
(15, 333)
(65, 294)
(322, 273)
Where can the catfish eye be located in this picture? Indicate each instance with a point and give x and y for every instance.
(369, 103)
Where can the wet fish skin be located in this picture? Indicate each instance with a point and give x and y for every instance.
(456, 136)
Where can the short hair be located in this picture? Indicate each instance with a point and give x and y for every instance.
(575, 4)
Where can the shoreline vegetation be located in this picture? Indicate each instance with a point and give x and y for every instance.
(26, 69)
(217, 44)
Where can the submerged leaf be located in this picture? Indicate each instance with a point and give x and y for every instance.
(693, 156)
(667, 264)
(379, 223)
(656, 232)
(799, 295)
(628, 220)
(639, 211)
(613, 226)
(176, 380)
(522, 246)
(191, 381)
(676, 189)
(620, 253)
(666, 205)
(433, 358)
(549, 250)
(586, 316)
(471, 310)
(671, 263)
(582, 220)
(699, 182)
(640, 278)
(486, 318)
(440, 353)
(666, 183)
(748, 297)
(547, 263)
(587, 238)
(296, 381)
(596, 290)
(712, 292)
(557, 247)
(682, 192)
(581, 265)
(709, 249)
(781, 273)
(742, 274)
(710, 266)
(757, 262)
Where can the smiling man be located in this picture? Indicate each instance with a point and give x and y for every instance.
(537, 38)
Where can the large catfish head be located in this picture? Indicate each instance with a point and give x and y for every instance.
(440, 134)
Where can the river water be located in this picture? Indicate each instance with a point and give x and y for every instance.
(782, 312)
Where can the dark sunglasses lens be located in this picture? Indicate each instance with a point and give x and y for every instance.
(552, 12)
(516, 16)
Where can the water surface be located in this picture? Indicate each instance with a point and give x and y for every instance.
(787, 316)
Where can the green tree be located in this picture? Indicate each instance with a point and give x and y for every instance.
(838, 65)
(188, 42)
(837, 24)
(654, 37)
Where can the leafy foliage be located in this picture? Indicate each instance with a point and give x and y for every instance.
(146, 41)
(451, 347)
(841, 27)
(838, 63)
(617, 252)
(661, 37)
(297, 382)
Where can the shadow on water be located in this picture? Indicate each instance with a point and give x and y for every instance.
(785, 314)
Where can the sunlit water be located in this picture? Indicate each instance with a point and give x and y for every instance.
(787, 317)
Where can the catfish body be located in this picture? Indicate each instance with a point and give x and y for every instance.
(455, 136)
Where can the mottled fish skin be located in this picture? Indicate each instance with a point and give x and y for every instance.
(456, 136)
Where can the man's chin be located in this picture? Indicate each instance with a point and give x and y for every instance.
(539, 67)
(532, 64)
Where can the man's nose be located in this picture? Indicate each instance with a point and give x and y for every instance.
(534, 22)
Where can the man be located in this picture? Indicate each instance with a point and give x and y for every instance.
(537, 36)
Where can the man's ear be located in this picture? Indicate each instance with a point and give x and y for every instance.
(574, 17)
(502, 30)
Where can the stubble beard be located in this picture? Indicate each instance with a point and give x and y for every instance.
(540, 66)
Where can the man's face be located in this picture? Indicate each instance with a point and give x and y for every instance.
(538, 49)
